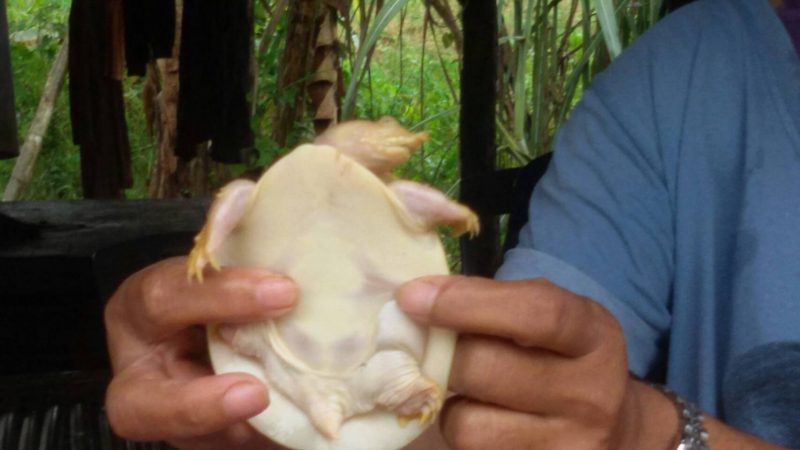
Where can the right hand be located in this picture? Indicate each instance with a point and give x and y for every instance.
(163, 387)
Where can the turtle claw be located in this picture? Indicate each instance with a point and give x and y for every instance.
(468, 224)
(199, 257)
(427, 411)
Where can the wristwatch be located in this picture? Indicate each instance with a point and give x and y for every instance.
(692, 428)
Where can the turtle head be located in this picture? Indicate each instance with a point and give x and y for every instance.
(378, 145)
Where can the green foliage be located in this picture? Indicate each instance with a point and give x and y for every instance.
(36, 34)
(142, 145)
(555, 47)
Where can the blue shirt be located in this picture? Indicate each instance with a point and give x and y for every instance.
(673, 199)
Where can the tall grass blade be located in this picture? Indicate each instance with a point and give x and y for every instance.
(608, 23)
(390, 9)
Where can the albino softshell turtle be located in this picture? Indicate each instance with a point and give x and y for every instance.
(346, 368)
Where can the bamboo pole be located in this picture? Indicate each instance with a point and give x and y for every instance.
(23, 168)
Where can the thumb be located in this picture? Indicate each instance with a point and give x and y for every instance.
(416, 298)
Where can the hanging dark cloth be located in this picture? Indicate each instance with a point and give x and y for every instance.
(214, 74)
(8, 118)
(96, 104)
(149, 32)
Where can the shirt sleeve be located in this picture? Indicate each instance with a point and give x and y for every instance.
(601, 217)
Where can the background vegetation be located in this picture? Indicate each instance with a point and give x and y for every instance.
(549, 51)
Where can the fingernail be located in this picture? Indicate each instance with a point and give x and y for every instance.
(243, 400)
(416, 299)
(276, 293)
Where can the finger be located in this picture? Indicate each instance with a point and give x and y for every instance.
(144, 406)
(467, 425)
(160, 299)
(533, 313)
(494, 370)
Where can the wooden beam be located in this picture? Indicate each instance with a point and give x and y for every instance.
(81, 228)
(480, 255)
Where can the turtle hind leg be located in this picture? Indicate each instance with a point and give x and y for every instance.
(392, 379)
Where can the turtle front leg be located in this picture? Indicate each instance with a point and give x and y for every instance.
(432, 207)
(228, 208)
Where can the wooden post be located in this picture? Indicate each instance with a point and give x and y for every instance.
(481, 255)
(23, 169)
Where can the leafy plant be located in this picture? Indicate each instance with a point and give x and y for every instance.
(550, 50)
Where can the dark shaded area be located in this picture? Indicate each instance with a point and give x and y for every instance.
(8, 118)
(60, 411)
(214, 71)
(789, 12)
(149, 32)
(671, 5)
(96, 105)
(60, 262)
(524, 180)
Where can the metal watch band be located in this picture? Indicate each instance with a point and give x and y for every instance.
(693, 430)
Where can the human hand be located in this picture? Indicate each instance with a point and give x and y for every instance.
(536, 366)
(163, 387)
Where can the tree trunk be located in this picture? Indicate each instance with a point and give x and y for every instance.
(171, 177)
(164, 180)
(326, 89)
(293, 69)
(23, 169)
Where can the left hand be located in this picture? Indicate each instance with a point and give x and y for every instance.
(536, 366)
